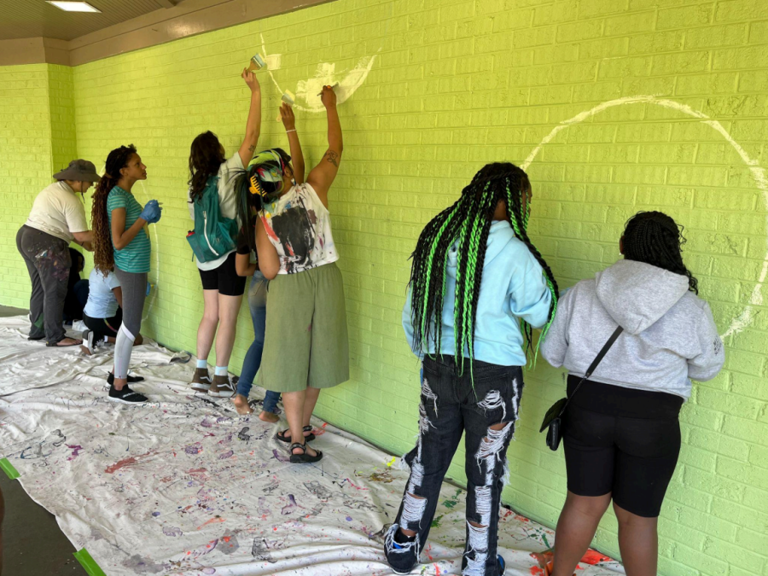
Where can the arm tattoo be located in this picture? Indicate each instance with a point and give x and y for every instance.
(251, 148)
(332, 157)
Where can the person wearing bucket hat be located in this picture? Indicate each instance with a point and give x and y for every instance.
(56, 219)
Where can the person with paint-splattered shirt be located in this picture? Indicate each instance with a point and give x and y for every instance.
(57, 218)
(306, 347)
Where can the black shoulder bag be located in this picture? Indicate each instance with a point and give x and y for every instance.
(553, 420)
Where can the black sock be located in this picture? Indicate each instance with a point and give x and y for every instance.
(401, 538)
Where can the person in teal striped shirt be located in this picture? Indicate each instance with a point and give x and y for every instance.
(121, 242)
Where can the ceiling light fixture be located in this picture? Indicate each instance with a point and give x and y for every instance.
(74, 6)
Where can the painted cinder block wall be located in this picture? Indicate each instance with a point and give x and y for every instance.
(37, 138)
(456, 84)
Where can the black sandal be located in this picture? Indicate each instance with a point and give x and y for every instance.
(287, 439)
(304, 458)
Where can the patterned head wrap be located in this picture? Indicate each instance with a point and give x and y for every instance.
(266, 173)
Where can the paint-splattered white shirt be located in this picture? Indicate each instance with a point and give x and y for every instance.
(299, 227)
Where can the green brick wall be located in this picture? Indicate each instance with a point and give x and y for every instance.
(456, 84)
(26, 165)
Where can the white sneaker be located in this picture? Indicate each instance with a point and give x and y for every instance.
(88, 346)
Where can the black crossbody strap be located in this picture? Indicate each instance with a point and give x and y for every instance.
(595, 362)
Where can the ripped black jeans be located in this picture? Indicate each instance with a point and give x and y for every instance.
(449, 406)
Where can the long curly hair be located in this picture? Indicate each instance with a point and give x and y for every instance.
(205, 158)
(656, 239)
(103, 250)
(468, 222)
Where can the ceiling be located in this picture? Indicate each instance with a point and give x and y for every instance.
(33, 18)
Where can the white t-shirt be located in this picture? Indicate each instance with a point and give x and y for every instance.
(102, 302)
(299, 227)
(58, 211)
(227, 202)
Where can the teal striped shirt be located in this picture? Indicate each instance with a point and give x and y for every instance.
(135, 256)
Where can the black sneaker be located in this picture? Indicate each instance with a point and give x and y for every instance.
(126, 396)
(131, 379)
(402, 552)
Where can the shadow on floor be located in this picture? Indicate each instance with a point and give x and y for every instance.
(33, 544)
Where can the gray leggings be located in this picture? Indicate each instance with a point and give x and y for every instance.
(134, 286)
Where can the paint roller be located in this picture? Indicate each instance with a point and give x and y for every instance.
(257, 62)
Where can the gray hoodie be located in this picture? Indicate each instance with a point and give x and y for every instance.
(669, 334)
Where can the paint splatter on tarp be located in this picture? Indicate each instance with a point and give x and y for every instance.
(183, 486)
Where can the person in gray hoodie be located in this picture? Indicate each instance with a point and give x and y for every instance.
(621, 429)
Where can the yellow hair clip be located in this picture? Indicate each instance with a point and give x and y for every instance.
(256, 187)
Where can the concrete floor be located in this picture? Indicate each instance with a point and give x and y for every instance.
(33, 544)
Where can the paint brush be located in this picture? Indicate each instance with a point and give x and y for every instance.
(289, 98)
(332, 88)
(257, 63)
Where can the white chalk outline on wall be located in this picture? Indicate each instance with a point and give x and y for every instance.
(743, 320)
(325, 74)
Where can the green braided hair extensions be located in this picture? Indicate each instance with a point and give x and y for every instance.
(467, 224)
(520, 226)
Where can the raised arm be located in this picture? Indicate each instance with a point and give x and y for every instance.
(322, 176)
(253, 126)
(297, 157)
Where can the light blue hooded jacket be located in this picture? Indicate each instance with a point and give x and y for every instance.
(513, 286)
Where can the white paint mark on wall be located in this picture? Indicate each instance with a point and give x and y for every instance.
(274, 61)
(348, 81)
(744, 319)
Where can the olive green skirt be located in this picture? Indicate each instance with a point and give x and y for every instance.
(305, 341)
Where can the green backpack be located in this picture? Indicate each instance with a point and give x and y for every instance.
(213, 235)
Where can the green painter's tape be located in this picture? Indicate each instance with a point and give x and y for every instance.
(88, 563)
(9, 469)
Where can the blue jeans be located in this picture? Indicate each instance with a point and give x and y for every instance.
(257, 303)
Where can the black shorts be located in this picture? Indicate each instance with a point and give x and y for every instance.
(224, 278)
(622, 441)
(102, 327)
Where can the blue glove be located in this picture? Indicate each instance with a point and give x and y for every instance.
(151, 212)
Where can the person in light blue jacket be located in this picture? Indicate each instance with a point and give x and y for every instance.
(478, 288)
